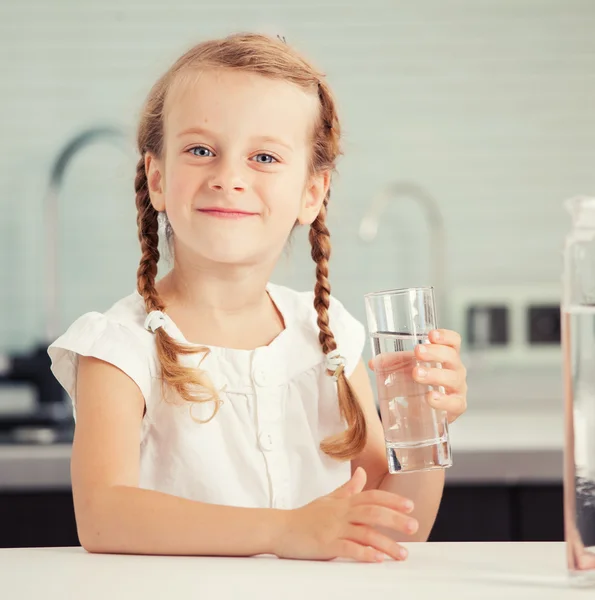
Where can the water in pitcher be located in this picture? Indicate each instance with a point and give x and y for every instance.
(579, 469)
(416, 435)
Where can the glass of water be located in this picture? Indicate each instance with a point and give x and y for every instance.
(415, 434)
(578, 351)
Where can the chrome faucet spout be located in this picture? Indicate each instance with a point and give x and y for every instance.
(370, 223)
(51, 216)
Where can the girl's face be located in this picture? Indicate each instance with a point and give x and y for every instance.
(233, 178)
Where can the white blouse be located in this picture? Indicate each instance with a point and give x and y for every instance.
(262, 449)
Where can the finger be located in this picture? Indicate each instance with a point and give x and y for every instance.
(385, 499)
(380, 516)
(349, 549)
(454, 405)
(391, 361)
(354, 486)
(586, 561)
(447, 356)
(368, 536)
(447, 378)
(446, 337)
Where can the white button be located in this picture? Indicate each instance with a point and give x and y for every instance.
(260, 377)
(265, 439)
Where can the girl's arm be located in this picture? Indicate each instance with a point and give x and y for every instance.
(424, 488)
(114, 515)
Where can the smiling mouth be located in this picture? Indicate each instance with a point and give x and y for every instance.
(225, 213)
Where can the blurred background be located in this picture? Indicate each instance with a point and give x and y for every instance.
(466, 125)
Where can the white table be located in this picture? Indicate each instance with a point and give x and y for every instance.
(457, 571)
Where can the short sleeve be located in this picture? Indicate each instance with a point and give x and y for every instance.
(350, 334)
(98, 336)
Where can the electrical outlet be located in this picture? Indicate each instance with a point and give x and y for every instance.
(543, 324)
(516, 325)
(487, 325)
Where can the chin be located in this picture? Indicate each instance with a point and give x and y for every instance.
(238, 248)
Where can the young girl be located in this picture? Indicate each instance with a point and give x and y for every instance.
(217, 413)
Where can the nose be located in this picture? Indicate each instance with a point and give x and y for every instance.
(226, 178)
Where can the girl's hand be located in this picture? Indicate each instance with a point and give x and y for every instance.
(342, 525)
(444, 348)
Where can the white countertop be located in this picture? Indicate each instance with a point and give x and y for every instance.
(489, 446)
(508, 446)
(461, 571)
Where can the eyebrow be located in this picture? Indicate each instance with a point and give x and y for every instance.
(263, 138)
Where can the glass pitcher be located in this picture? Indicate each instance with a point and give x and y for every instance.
(578, 346)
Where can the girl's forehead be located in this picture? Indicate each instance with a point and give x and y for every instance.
(240, 103)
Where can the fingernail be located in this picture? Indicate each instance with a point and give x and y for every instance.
(436, 335)
(422, 349)
(403, 553)
(437, 397)
(408, 505)
(421, 372)
(379, 557)
(412, 526)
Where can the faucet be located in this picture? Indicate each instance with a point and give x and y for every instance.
(369, 224)
(50, 418)
(51, 204)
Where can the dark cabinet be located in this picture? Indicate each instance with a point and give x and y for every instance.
(541, 518)
(37, 519)
(467, 513)
(500, 513)
(473, 514)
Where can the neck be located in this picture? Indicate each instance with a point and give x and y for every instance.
(217, 293)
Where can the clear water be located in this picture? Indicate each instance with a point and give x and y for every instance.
(579, 462)
(416, 435)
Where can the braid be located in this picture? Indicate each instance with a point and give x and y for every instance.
(148, 236)
(346, 445)
(321, 250)
(179, 377)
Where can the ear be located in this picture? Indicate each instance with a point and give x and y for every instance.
(153, 169)
(314, 195)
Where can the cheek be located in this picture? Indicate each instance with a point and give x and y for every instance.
(285, 195)
(284, 206)
(177, 178)
(178, 188)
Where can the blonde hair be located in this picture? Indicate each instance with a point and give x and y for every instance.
(274, 59)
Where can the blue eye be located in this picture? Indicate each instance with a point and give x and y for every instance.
(201, 151)
(266, 156)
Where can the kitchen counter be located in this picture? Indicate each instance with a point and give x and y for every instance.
(508, 446)
(504, 446)
(433, 570)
